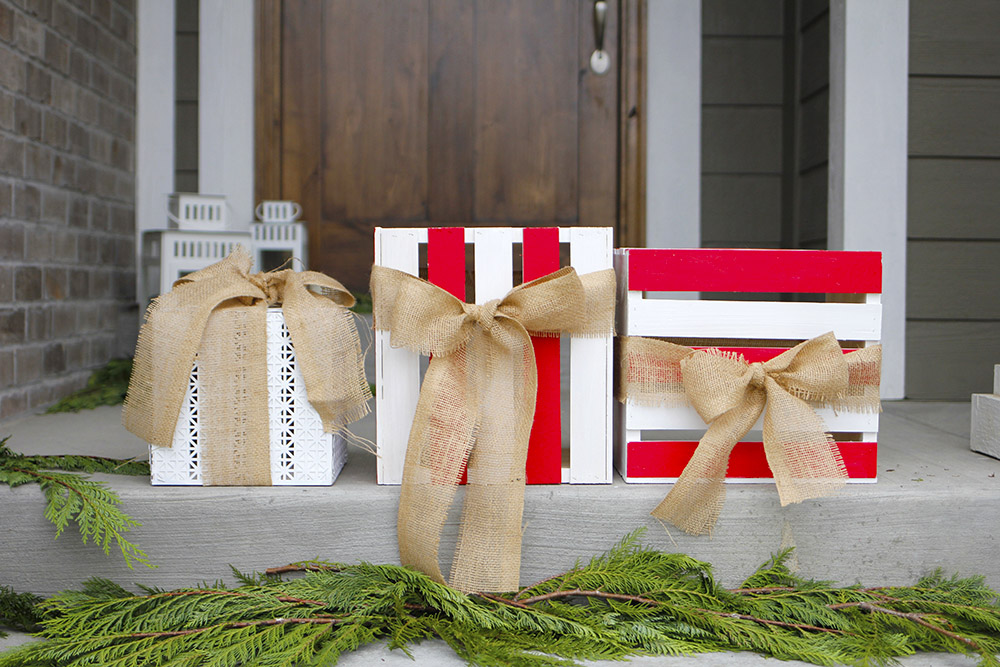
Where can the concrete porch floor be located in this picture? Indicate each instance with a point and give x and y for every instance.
(936, 504)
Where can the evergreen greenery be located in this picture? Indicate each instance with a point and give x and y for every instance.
(18, 610)
(72, 497)
(106, 386)
(630, 601)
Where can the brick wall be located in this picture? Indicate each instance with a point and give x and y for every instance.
(67, 218)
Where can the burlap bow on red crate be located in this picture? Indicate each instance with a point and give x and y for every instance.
(219, 315)
(476, 406)
(730, 394)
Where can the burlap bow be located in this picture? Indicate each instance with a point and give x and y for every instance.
(219, 314)
(476, 405)
(729, 394)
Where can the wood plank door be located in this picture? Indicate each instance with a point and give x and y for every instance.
(436, 113)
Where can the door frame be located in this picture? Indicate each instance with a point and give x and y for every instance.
(630, 225)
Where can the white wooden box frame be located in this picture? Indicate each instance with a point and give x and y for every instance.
(397, 370)
(301, 453)
(855, 320)
(198, 212)
(289, 236)
(171, 254)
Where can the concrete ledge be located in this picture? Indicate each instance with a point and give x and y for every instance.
(936, 505)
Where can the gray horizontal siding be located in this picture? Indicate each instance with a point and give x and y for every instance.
(953, 311)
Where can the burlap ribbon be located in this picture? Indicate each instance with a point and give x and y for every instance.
(729, 394)
(219, 314)
(476, 406)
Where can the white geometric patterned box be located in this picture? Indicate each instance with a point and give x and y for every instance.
(301, 453)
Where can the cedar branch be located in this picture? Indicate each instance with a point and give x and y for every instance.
(910, 616)
(236, 624)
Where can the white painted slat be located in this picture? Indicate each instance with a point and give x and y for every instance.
(494, 262)
(749, 319)
(590, 373)
(684, 418)
(397, 370)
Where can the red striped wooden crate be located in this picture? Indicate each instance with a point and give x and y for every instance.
(586, 459)
(759, 330)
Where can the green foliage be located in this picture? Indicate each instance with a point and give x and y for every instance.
(71, 497)
(629, 601)
(17, 610)
(106, 386)
(362, 303)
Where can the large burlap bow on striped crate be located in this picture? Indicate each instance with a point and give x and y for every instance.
(219, 314)
(476, 406)
(729, 394)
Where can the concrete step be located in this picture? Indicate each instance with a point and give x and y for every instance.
(937, 504)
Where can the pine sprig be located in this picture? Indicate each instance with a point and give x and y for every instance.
(18, 610)
(105, 386)
(630, 601)
(73, 498)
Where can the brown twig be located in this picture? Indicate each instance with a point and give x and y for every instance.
(537, 584)
(765, 621)
(236, 624)
(502, 600)
(757, 591)
(280, 598)
(910, 616)
(298, 567)
(589, 594)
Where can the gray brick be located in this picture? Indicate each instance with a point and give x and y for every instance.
(7, 103)
(40, 396)
(11, 70)
(56, 281)
(76, 353)
(38, 163)
(100, 216)
(64, 320)
(100, 350)
(87, 249)
(100, 284)
(86, 177)
(13, 403)
(54, 207)
(119, 23)
(64, 95)
(6, 368)
(122, 220)
(38, 83)
(39, 246)
(6, 284)
(6, 201)
(38, 324)
(79, 283)
(100, 147)
(54, 130)
(86, 106)
(40, 8)
(106, 182)
(86, 34)
(11, 241)
(101, 10)
(12, 326)
(79, 213)
(57, 52)
(55, 359)
(27, 201)
(79, 140)
(11, 156)
(124, 285)
(28, 119)
(29, 35)
(64, 245)
(121, 154)
(64, 20)
(88, 319)
(63, 172)
(6, 24)
(27, 364)
(27, 283)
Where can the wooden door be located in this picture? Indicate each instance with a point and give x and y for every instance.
(442, 112)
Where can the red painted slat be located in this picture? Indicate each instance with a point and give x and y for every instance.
(753, 270)
(446, 259)
(668, 458)
(446, 267)
(753, 354)
(540, 252)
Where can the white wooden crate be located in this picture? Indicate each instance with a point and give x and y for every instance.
(198, 212)
(288, 238)
(761, 329)
(301, 453)
(588, 457)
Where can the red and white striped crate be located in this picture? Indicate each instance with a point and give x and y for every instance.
(759, 330)
(588, 457)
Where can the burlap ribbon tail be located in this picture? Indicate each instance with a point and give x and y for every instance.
(476, 406)
(219, 316)
(730, 394)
